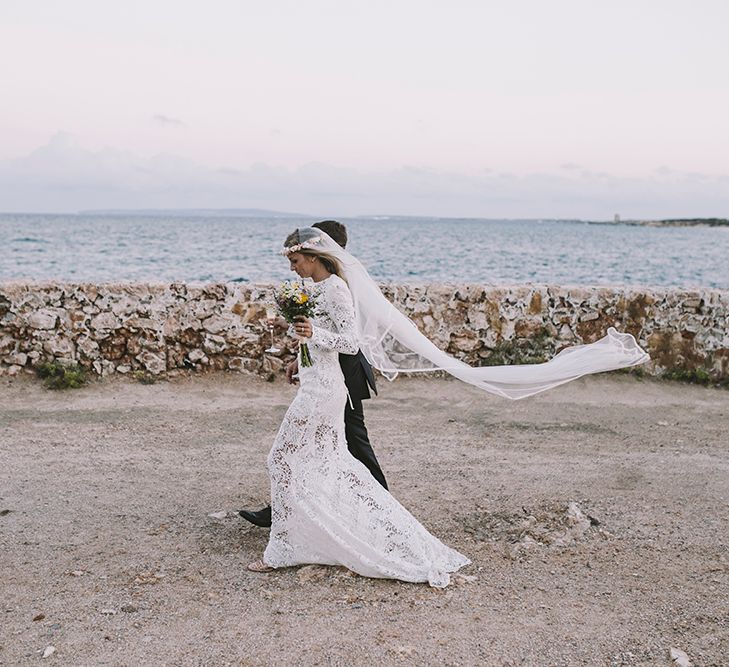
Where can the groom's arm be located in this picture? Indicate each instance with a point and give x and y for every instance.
(291, 370)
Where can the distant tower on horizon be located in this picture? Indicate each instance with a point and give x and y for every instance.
(616, 219)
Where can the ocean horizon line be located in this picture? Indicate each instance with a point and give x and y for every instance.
(263, 214)
(266, 213)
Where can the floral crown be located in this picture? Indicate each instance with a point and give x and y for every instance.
(310, 244)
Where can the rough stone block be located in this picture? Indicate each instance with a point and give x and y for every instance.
(197, 356)
(43, 319)
(152, 362)
(216, 323)
(105, 321)
(16, 358)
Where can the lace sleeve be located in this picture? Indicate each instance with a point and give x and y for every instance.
(340, 311)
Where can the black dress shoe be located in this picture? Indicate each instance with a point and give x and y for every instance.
(261, 518)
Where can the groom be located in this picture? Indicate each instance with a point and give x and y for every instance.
(359, 378)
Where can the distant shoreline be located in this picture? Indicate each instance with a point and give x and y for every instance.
(672, 222)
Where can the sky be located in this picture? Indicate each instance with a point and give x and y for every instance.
(484, 108)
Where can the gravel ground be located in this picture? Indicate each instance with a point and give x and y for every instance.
(596, 516)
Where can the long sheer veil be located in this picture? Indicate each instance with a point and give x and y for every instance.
(393, 344)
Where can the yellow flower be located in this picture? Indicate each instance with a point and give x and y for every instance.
(303, 298)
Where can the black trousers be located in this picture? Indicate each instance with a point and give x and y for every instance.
(358, 442)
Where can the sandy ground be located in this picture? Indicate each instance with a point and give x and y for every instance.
(110, 556)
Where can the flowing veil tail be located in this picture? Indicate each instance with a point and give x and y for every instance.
(392, 343)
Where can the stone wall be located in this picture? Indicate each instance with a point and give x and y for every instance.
(166, 328)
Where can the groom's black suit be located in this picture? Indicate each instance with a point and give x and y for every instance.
(359, 378)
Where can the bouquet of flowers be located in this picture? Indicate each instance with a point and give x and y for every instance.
(295, 300)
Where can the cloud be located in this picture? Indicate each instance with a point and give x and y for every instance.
(167, 120)
(63, 176)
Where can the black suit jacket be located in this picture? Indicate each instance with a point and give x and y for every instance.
(358, 375)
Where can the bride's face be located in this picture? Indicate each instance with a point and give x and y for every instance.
(302, 264)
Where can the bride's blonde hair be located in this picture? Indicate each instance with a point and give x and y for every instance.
(330, 263)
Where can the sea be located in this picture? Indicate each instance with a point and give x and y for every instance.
(119, 247)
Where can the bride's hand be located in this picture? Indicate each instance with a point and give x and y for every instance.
(303, 327)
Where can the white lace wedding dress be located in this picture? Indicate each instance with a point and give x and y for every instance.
(326, 506)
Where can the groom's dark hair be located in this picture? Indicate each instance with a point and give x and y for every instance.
(335, 229)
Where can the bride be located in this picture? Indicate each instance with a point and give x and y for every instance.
(326, 508)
